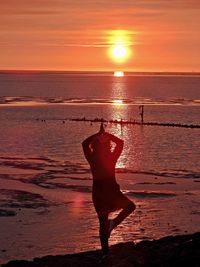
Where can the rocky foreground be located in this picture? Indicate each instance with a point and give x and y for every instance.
(169, 251)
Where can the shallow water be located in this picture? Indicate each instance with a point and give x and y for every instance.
(157, 150)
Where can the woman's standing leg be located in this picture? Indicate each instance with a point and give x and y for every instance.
(104, 231)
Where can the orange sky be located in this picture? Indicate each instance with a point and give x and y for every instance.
(74, 34)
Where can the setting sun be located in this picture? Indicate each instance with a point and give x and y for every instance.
(119, 52)
(120, 42)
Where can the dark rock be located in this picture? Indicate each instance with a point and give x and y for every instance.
(171, 251)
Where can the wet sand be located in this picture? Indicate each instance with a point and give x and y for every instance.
(48, 212)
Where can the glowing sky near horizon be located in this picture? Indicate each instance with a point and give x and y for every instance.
(75, 35)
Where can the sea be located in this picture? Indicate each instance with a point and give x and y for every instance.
(45, 181)
(36, 112)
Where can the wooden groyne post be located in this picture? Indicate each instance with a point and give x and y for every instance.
(141, 109)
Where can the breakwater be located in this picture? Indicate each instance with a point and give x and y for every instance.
(130, 122)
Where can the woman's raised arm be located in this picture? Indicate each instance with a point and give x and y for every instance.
(119, 144)
(86, 145)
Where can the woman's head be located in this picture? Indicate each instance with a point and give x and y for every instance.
(101, 144)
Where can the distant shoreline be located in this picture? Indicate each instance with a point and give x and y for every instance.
(100, 73)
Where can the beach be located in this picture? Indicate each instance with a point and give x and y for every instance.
(57, 216)
(182, 250)
(45, 182)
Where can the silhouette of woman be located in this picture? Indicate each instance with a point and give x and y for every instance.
(106, 194)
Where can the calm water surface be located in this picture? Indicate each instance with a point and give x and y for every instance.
(29, 99)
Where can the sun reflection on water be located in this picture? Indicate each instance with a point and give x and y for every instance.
(119, 88)
(118, 94)
(118, 102)
(131, 154)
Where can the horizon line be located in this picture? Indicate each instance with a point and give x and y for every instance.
(98, 72)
